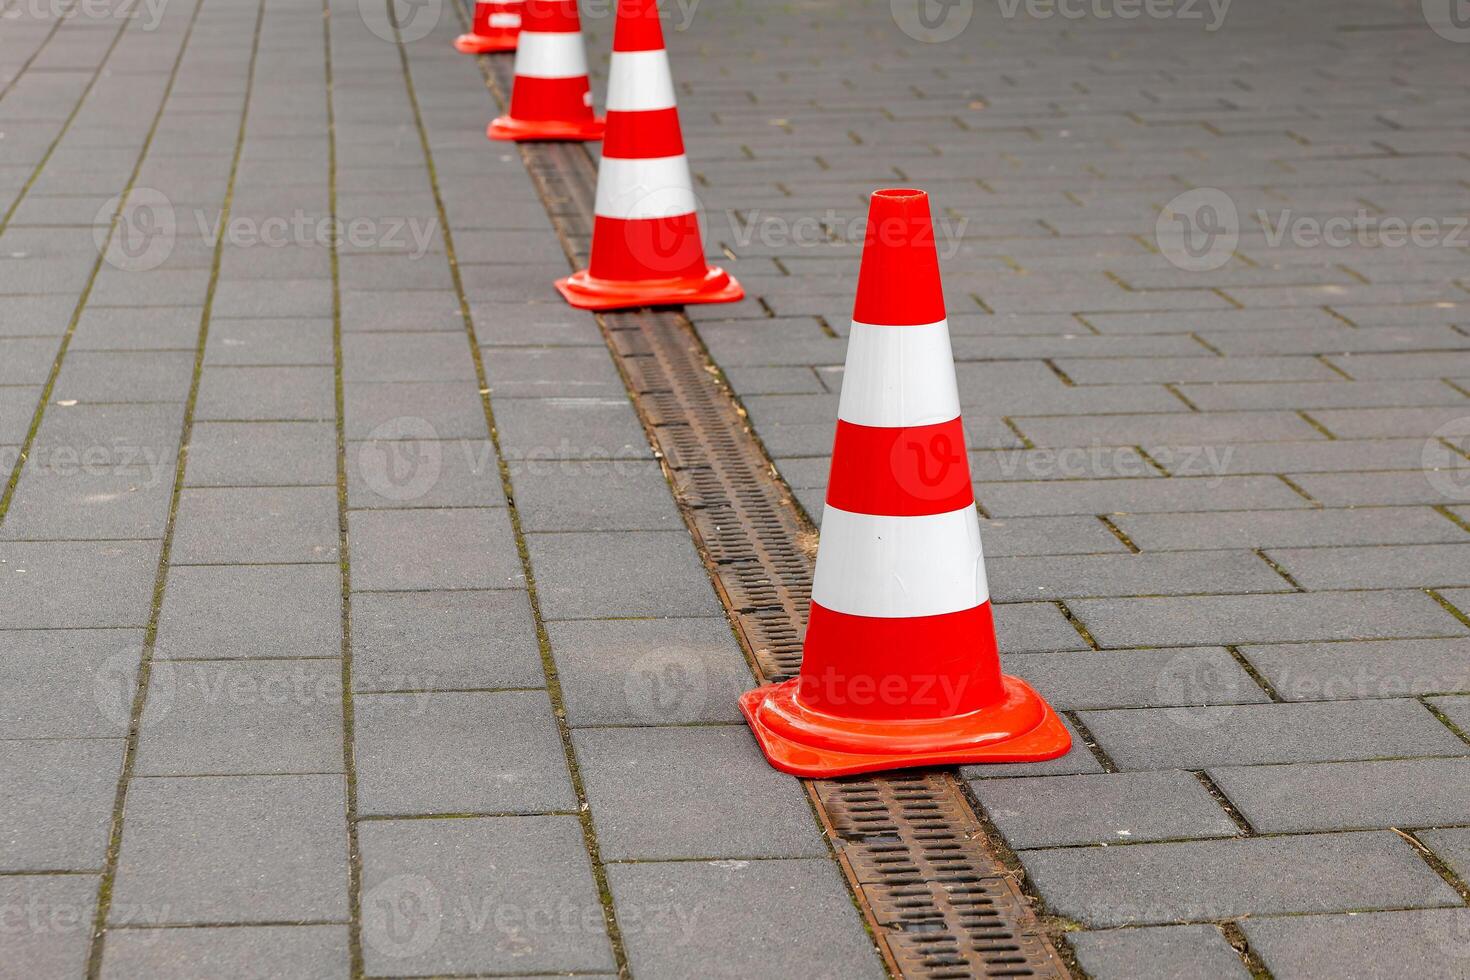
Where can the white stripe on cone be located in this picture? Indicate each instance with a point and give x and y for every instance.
(898, 567)
(551, 55)
(899, 376)
(505, 20)
(638, 81)
(654, 187)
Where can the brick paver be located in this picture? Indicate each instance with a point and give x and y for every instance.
(348, 625)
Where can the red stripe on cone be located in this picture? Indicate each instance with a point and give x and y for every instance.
(652, 248)
(903, 472)
(643, 135)
(898, 282)
(866, 667)
(638, 27)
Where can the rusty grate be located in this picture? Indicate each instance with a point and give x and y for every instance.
(939, 902)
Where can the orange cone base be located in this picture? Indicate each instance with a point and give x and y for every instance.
(508, 128)
(795, 739)
(486, 43)
(588, 293)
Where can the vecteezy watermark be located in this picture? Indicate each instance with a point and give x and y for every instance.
(140, 233)
(147, 13)
(403, 458)
(676, 14)
(665, 687)
(408, 20)
(932, 21)
(36, 914)
(1210, 13)
(1445, 461)
(833, 230)
(1198, 230)
(1194, 686)
(407, 915)
(1450, 19)
(1099, 462)
(146, 466)
(1352, 683)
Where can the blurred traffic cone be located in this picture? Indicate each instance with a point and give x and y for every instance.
(551, 99)
(493, 28)
(900, 666)
(646, 245)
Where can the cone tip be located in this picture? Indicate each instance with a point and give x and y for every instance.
(898, 282)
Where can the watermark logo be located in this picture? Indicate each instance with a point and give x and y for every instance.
(1444, 459)
(1450, 19)
(1198, 230)
(1193, 685)
(664, 687)
(932, 21)
(137, 234)
(401, 459)
(402, 916)
(410, 20)
(114, 690)
(666, 237)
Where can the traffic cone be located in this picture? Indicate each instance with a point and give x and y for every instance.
(646, 246)
(900, 666)
(493, 28)
(551, 98)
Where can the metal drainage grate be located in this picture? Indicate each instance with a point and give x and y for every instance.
(939, 902)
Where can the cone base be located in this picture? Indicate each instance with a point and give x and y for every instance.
(586, 292)
(1023, 728)
(486, 43)
(509, 128)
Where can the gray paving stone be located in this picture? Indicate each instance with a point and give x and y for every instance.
(463, 752)
(468, 548)
(1264, 618)
(552, 372)
(234, 849)
(593, 495)
(1136, 678)
(17, 405)
(250, 611)
(1348, 795)
(649, 672)
(258, 454)
(1192, 880)
(1196, 952)
(1079, 535)
(704, 912)
(408, 310)
(1181, 573)
(440, 409)
(52, 934)
(444, 640)
(241, 717)
(1377, 669)
(115, 376)
(59, 584)
(57, 809)
(265, 394)
(416, 356)
(153, 328)
(541, 429)
(1047, 811)
(295, 298)
(1456, 709)
(691, 792)
(1380, 567)
(413, 472)
(1196, 737)
(255, 525)
(664, 576)
(1370, 946)
(501, 895)
(271, 343)
(1029, 499)
(1288, 528)
(64, 683)
(245, 952)
(59, 499)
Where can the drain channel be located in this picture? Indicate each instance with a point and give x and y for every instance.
(938, 901)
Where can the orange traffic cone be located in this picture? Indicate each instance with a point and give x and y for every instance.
(493, 28)
(551, 98)
(900, 666)
(646, 245)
